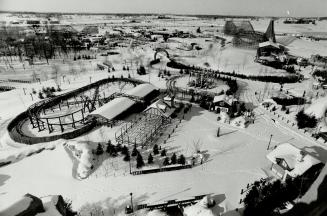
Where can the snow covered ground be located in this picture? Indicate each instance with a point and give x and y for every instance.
(233, 160)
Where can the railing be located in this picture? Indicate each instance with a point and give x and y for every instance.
(163, 169)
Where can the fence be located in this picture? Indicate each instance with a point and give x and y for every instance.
(164, 169)
(171, 203)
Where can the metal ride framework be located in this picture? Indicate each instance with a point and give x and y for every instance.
(86, 104)
(143, 128)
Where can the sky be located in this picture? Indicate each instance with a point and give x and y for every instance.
(212, 7)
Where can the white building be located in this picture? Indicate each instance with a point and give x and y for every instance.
(289, 161)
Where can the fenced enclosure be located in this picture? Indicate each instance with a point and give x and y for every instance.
(142, 128)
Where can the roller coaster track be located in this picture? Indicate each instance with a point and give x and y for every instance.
(32, 114)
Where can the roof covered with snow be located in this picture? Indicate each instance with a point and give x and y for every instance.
(227, 99)
(141, 90)
(295, 158)
(113, 108)
(162, 107)
(269, 43)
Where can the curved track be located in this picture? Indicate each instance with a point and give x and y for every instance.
(33, 115)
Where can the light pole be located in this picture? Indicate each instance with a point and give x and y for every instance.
(131, 194)
(269, 142)
(130, 166)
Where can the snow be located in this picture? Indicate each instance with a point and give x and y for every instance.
(83, 153)
(49, 203)
(12, 151)
(228, 99)
(233, 160)
(17, 207)
(318, 108)
(113, 108)
(141, 90)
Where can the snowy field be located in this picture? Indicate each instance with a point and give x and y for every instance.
(232, 160)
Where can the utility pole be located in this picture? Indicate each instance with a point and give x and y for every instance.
(269, 142)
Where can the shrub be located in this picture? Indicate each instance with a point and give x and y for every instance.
(41, 95)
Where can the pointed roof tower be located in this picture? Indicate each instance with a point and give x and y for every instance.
(270, 33)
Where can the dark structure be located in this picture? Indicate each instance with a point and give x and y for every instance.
(161, 50)
(245, 36)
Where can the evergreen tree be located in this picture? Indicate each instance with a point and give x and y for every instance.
(166, 161)
(127, 157)
(155, 149)
(111, 149)
(181, 159)
(150, 159)
(139, 161)
(99, 150)
(142, 70)
(173, 159)
(134, 152)
(124, 150)
(163, 152)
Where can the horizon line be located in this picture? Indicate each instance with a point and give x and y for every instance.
(153, 13)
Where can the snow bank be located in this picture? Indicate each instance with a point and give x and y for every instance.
(199, 209)
(224, 117)
(83, 153)
(238, 122)
(12, 152)
(318, 108)
(26, 205)
(50, 203)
